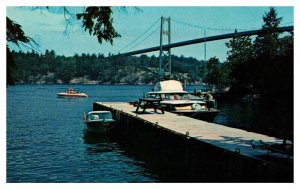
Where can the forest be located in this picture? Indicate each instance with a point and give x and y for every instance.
(97, 69)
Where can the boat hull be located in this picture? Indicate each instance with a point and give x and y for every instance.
(72, 95)
(201, 115)
(98, 127)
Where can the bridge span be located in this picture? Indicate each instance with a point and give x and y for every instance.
(202, 40)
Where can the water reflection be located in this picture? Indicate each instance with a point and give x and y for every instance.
(107, 153)
(98, 144)
(235, 114)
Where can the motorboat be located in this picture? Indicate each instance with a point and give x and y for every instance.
(219, 93)
(98, 122)
(174, 99)
(71, 93)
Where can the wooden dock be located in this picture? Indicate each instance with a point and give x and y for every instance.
(222, 137)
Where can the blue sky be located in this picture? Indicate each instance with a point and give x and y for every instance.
(48, 28)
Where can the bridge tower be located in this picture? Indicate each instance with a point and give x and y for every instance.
(165, 55)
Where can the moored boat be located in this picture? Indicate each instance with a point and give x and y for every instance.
(174, 99)
(98, 122)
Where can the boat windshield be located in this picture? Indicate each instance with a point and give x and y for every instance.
(170, 96)
(97, 116)
(177, 96)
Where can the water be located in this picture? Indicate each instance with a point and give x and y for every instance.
(45, 141)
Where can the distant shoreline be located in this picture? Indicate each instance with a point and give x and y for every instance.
(20, 83)
(138, 84)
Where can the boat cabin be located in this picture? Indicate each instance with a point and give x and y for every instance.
(168, 90)
(99, 115)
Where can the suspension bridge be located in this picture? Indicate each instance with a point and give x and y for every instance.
(165, 49)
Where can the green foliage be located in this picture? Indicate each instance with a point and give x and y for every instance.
(10, 66)
(249, 63)
(267, 42)
(15, 35)
(216, 73)
(98, 22)
(50, 68)
(266, 68)
(241, 50)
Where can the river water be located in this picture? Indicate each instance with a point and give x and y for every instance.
(45, 142)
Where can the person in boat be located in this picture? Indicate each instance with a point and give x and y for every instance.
(70, 91)
(207, 96)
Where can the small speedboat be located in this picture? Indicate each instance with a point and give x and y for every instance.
(71, 93)
(98, 122)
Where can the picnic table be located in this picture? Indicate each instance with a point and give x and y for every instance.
(146, 103)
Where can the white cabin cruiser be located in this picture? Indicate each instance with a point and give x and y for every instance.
(174, 99)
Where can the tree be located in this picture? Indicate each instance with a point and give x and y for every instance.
(241, 50)
(217, 73)
(50, 60)
(10, 66)
(267, 42)
(96, 20)
(15, 35)
(267, 50)
(65, 69)
(266, 68)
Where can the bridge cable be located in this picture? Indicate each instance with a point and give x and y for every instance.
(126, 46)
(145, 38)
(208, 28)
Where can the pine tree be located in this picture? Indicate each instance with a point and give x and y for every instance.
(267, 42)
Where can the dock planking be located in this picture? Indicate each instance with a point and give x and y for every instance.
(227, 138)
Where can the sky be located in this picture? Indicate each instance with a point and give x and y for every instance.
(48, 28)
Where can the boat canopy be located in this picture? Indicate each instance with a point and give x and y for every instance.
(97, 115)
(99, 112)
(168, 86)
